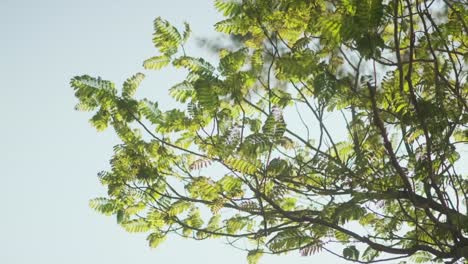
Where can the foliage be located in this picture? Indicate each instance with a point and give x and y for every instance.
(332, 122)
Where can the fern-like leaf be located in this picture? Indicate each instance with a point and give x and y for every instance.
(311, 249)
(254, 256)
(156, 62)
(240, 165)
(287, 239)
(136, 226)
(229, 26)
(155, 239)
(166, 37)
(151, 111)
(196, 65)
(229, 8)
(182, 91)
(131, 84)
(187, 32)
(103, 205)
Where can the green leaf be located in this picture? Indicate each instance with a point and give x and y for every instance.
(229, 26)
(233, 61)
(240, 165)
(187, 32)
(255, 144)
(120, 216)
(86, 81)
(156, 62)
(134, 209)
(131, 84)
(194, 219)
(93, 92)
(136, 226)
(178, 208)
(214, 223)
(351, 252)
(370, 254)
(228, 7)
(230, 184)
(278, 168)
(196, 65)
(155, 239)
(166, 37)
(288, 239)
(100, 120)
(274, 125)
(151, 111)
(421, 257)
(182, 91)
(254, 256)
(461, 135)
(236, 224)
(103, 205)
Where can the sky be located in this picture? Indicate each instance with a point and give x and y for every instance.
(49, 154)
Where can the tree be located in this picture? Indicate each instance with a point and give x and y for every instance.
(251, 153)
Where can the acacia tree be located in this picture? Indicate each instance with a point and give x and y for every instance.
(251, 155)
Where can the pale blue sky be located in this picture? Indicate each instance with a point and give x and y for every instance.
(49, 155)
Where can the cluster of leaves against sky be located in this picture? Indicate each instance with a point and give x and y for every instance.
(254, 153)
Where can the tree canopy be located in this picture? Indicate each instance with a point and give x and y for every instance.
(329, 124)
